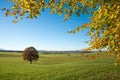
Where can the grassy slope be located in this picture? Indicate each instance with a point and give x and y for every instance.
(57, 67)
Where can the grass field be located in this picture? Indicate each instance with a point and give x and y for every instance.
(57, 67)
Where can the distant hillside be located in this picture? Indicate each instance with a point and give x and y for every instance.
(1, 49)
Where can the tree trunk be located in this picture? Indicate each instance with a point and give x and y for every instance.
(30, 61)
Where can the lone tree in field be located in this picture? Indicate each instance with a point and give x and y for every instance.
(30, 54)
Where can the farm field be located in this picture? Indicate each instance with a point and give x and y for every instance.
(58, 67)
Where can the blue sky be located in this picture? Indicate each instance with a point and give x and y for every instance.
(47, 32)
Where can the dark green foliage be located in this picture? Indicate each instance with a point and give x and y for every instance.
(30, 54)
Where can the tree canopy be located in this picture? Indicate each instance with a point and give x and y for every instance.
(104, 26)
(30, 54)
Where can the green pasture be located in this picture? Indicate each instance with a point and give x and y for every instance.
(58, 67)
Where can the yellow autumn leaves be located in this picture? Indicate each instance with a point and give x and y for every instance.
(105, 28)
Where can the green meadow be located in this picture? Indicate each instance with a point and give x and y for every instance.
(58, 67)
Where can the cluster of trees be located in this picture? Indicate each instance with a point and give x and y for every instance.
(104, 26)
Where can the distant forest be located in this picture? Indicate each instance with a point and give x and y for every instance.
(55, 52)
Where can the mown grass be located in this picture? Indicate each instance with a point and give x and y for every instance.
(57, 67)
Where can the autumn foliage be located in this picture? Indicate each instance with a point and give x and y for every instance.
(30, 54)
